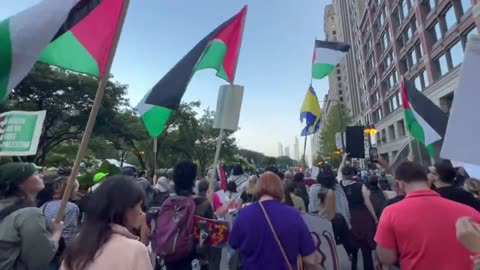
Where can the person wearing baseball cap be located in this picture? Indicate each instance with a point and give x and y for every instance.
(22, 225)
(97, 179)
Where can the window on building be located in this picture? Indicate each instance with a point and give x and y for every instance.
(423, 74)
(443, 65)
(467, 35)
(379, 138)
(405, 8)
(432, 4)
(394, 102)
(341, 99)
(339, 78)
(401, 128)
(334, 32)
(466, 5)
(339, 85)
(450, 18)
(436, 32)
(391, 132)
(412, 58)
(421, 81)
(340, 92)
(456, 53)
(377, 115)
(418, 83)
(408, 33)
(384, 136)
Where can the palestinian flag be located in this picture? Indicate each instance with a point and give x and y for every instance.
(218, 50)
(83, 44)
(71, 34)
(154, 117)
(425, 121)
(326, 56)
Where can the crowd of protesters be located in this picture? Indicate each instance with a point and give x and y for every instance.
(411, 217)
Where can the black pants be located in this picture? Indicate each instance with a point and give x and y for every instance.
(367, 259)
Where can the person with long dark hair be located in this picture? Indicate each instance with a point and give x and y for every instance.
(363, 219)
(105, 240)
(25, 241)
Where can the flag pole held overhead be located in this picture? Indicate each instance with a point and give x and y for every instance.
(93, 113)
(239, 46)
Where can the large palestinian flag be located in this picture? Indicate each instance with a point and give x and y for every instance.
(218, 50)
(425, 121)
(82, 44)
(326, 56)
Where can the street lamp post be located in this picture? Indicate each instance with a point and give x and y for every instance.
(370, 130)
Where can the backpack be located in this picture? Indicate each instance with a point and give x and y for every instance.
(172, 237)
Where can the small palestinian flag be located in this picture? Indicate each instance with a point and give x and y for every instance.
(425, 121)
(326, 56)
(218, 50)
(83, 43)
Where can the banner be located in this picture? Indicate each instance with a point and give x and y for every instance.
(229, 104)
(20, 132)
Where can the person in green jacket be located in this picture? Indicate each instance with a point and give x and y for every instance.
(25, 241)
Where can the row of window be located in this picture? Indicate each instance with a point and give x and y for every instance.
(399, 127)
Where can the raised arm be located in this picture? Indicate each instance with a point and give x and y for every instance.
(342, 164)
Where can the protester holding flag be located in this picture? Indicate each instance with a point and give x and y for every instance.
(26, 242)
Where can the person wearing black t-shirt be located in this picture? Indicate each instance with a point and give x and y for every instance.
(444, 184)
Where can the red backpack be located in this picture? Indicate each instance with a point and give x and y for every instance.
(172, 237)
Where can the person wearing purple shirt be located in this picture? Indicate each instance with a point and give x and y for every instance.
(252, 235)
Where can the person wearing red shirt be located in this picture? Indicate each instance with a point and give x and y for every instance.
(419, 231)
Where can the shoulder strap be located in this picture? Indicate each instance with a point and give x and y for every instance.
(275, 236)
(43, 208)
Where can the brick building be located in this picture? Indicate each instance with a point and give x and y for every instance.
(422, 40)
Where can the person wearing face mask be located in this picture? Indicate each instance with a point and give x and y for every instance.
(25, 240)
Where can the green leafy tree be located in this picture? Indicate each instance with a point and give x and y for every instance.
(338, 119)
(285, 162)
(67, 97)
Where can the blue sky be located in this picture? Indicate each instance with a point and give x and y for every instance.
(274, 64)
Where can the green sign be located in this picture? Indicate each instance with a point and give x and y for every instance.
(20, 132)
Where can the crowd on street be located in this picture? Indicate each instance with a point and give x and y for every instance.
(409, 217)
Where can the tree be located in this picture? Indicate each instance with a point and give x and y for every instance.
(67, 97)
(338, 119)
(284, 162)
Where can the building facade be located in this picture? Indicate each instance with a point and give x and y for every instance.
(280, 149)
(296, 150)
(420, 40)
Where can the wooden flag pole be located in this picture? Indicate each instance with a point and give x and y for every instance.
(93, 115)
(155, 145)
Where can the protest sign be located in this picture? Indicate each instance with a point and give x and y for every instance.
(20, 132)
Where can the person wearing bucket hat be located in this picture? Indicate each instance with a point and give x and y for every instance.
(23, 227)
(97, 179)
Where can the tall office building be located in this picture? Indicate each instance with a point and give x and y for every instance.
(296, 150)
(422, 40)
(346, 19)
(287, 151)
(337, 80)
(280, 149)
